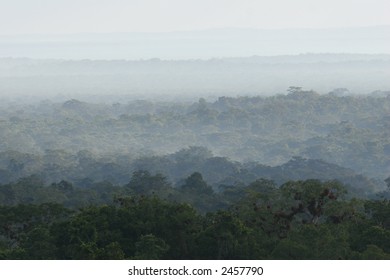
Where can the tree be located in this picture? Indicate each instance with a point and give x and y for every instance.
(225, 237)
(142, 182)
(150, 247)
(195, 184)
(199, 194)
(39, 244)
(308, 199)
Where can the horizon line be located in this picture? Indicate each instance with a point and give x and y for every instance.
(198, 30)
(195, 59)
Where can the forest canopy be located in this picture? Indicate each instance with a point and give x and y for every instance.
(301, 175)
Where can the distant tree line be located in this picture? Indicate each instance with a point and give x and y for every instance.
(86, 170)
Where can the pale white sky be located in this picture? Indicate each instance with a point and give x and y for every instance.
(75, 16)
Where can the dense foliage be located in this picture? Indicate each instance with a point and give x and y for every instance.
(351, 131)
(299, 220)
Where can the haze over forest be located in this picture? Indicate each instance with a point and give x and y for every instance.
(205, 63)
(200, 44)
(243, 142)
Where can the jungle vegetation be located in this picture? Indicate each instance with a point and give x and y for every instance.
(300, 175)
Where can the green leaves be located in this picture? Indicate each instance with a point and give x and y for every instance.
(150, 247)
(300, 220)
